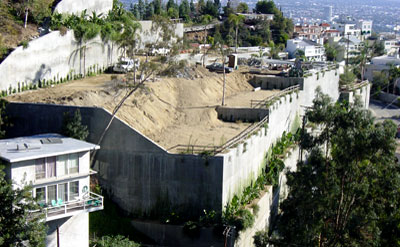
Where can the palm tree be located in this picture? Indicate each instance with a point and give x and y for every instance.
(236, 20)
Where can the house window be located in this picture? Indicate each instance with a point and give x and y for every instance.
(51, 193)
(40, 168)
(62, 192)
(51, 166)
(62, 165)
(74, 190)
(73, 163)
(41, 195)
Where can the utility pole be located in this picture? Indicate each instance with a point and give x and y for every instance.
(228, 232)
(347, 50)
(58, 236)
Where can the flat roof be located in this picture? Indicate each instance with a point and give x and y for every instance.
(40, 146)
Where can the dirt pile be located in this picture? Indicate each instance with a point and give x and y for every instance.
(170, 111)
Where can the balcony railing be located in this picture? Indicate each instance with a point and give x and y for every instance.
(89, 202)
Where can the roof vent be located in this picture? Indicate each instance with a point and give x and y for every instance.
(51, 141)
(27, 146)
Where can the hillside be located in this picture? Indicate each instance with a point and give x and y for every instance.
(12, 16)
(170, 111)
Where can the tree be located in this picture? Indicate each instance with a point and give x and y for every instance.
(22, 222)
(347, 192)
(219, 46)
(72, 126)
(242, 8)
(331, 52)
(206, 19)
(236, 20)
(348, 77)
(266, 7)
(378, 49)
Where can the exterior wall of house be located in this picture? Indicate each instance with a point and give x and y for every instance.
(73, 231)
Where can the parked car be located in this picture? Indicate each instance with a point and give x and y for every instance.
(125, 65)
(218, 67)
(160, 51)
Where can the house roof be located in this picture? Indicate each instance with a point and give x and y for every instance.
(352, 39)
(40, 146)
(325, 25)
(332, 31)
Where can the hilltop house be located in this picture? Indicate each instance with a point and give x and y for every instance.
(57, 168)
(312, 50)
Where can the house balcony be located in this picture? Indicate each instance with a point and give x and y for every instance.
(89, 202)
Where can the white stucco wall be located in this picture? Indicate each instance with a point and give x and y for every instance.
(52, 57)
(77, 6)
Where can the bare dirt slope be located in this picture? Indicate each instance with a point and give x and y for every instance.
(170, 111)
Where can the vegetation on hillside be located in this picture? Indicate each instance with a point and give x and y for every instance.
(347, 192)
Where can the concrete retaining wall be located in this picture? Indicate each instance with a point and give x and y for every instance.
(138, 174)
(363, 93)
(231, 114)
(174, 235)
(77, 6)
(276, 82)
(328, 82)
(244, 163)
(53, 57)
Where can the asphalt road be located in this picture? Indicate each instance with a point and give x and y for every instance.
(381, 111)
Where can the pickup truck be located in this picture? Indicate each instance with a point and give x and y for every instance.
(218, 67)
(125, 65)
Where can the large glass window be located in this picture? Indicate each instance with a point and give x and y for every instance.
(40, 168)
(74, 190)
(51, 166)
(73, 163)
(62, 192)
(41, 195)
(51, 194)
(62, 165)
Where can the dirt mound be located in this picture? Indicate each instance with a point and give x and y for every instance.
(170, 111)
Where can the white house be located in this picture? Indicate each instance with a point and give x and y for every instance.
(391, 46)
(348, 45)
(347, 29)
(365, 27)
(58, 169)
(312, 50)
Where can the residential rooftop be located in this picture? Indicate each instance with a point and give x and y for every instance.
(40, 146)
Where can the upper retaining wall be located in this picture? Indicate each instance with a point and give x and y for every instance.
(362, 91)
(275, 82)
(232, 114)
(77, 6)
(54, 57)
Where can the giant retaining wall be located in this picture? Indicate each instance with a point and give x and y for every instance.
(138, 174)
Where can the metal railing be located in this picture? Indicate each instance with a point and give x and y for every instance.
(90, 201)
(354, 86)
(263, 103)
(194, 149)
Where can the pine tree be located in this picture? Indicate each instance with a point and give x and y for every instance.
(72, 126)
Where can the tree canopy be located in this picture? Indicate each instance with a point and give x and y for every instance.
(19, 225)
(347, 192)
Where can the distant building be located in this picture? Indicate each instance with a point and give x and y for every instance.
(350, 46)
(391, 46)
(347, 29)
(328, 13)
(57, 168)
(254, 16)
(365, 27)
(312, 50)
